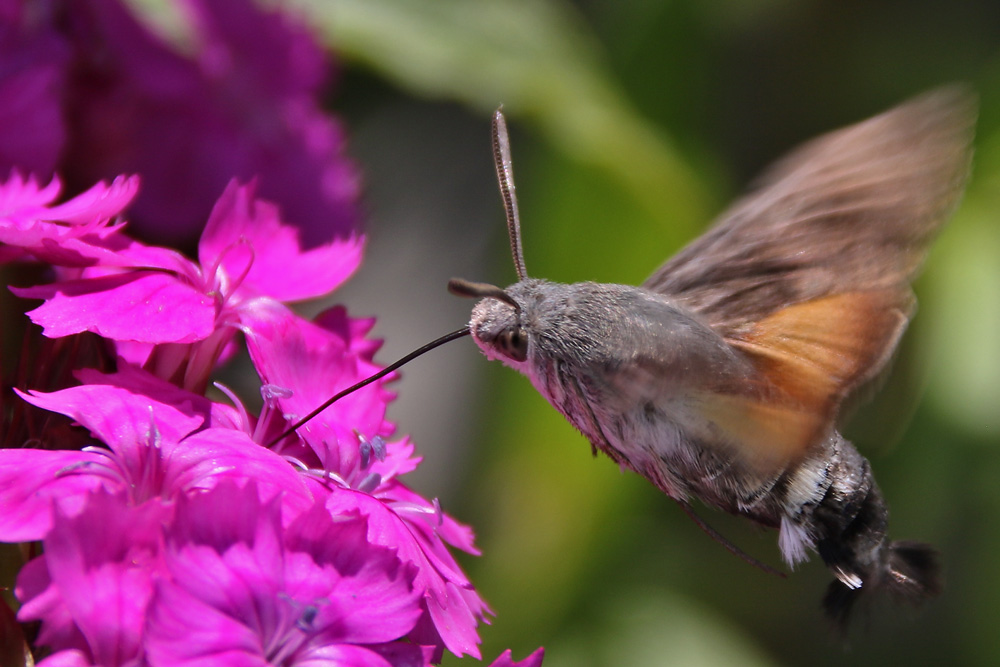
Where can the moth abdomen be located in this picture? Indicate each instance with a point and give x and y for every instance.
(848, 527)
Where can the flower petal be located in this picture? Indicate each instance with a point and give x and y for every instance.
(71, 658)
(204, 458)
(187, 631)
(103, 561)
(31, 482)
(99, 203)
(41, 599)
(116, 415)
(139, 383)
(144, 306)
(533, 660)
(346, 655)
(281, 269)
(372, 600)
(453, 615)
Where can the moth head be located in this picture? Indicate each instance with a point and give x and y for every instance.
(496, 324)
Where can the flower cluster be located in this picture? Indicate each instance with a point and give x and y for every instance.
(176, 526)
(188, 530)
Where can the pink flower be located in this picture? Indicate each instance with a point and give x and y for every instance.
(154, 450)
(91, 587)
(243, 590)
(152, 300)
(73, 233)
(360, 472)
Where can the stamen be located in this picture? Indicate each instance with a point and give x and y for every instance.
(307, 618)
(327, 476)
(238, 404)
(369, 483)
(367, 447)
(271, 393)
(152, 470)
(413, 508)
(322, 476)
(287, 643)
(153, 435)
(380, 450)
(223, 283)
(438, 513)
(110, 471)
(366, 453)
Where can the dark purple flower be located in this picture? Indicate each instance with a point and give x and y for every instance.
(243, 104)
(33, 63)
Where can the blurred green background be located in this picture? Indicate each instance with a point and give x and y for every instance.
(634, 123)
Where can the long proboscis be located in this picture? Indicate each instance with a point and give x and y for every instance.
(447, 338)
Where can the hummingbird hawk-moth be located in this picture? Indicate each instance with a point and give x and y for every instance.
(722, 376)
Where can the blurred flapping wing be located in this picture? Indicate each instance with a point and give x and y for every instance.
(809, 274)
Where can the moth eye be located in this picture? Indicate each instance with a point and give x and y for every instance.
(513, 343)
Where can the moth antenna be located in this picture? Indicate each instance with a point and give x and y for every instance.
(462, 287)
(505, 176)
(447, 338)
(730, 547)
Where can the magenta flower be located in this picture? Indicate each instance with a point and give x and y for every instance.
(360, 472)
(152, 300)
(73, 233)
(154, 450)
(167, 444)
(245, 590)
(91, 588)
